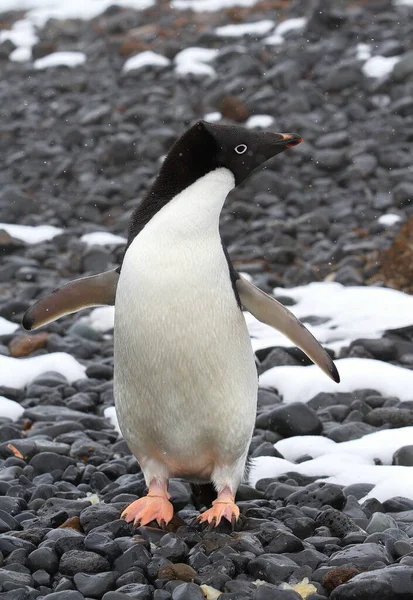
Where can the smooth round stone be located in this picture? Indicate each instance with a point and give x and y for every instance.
(380, 522)
(187, 591)
(94, 585)
(403, 456)
(402, 547)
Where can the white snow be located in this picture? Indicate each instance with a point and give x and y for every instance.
(29, 234)
(363, 51)
(144, 59)
(277, 37)
(23, 32)
(19, 372)
(7, 327)
(380, 444)
(379, 66)
(10, 409)
(258, 28)
(39, 11)
(102, 238)
(350, 312)
(101, 318)
(345, 463)
(210, 5)
(403, 2)
(193, 61)
(259, 121)
(389, 219)
(60, 59)
(213, 117)
(300, 384)
(23, 35)
(110, 414)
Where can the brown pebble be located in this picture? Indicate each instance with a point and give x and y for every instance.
(337, 576)
(72, 523)
(179, 571)
(233, 108)
(23, 345)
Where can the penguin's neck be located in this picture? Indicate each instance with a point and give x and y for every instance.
(195, 210)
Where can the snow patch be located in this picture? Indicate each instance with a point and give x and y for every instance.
(31, 235)
(145, 59)
(101, 319)
(258, 28)
(213, 117)
(210, 5)
(379, 66)
(40, 11)
(345, 463)
(7, 327)
(102, 238)
(19, 372)
(350, 313)
(110, 414)
(10, 409)
(192, 61)
(300, 384)
(60, 59)
(363, 51)
(284, 27)
(23, 36)
(259, 121)
(389, 219)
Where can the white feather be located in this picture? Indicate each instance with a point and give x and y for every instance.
(185, 377)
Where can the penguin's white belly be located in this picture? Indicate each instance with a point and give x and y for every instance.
(185, 377)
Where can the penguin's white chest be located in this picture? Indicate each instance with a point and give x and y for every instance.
(185, 377)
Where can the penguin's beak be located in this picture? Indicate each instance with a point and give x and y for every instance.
(290, 139)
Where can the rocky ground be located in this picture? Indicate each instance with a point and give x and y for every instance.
(78, 149)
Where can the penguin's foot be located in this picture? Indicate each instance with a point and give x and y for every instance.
(153, 507)
(223, 506)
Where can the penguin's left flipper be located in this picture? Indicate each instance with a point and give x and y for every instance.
(273, 313)
(97, 290)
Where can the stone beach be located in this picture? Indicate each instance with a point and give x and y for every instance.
(79, 146)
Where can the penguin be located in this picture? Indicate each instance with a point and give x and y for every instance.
(185, 378)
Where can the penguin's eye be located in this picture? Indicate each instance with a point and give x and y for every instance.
(240, 149)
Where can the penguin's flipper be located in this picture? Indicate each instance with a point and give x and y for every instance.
(273, 313)
(97, 290)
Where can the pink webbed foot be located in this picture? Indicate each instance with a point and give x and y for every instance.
(223, 507)
(155, 506)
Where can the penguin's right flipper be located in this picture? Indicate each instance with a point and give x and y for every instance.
(97, 290)
(273, 313)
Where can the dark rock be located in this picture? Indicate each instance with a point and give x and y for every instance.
(390, 583)
(294, 419)
(350, 431)
(136, 556)
(76, 561)
(271, 568)
(403, 456)
(187, 591)
(43, 558)
(338, 523)
(94, 585)
(317, 495)
(361, 556)
(66, 595)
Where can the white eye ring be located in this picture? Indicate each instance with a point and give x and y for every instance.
(240, 149)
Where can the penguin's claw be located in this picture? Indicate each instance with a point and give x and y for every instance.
(221, 508)
(147, 509)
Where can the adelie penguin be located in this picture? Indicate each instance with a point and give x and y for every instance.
(185, 376)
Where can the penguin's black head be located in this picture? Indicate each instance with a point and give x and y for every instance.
(241, 150)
